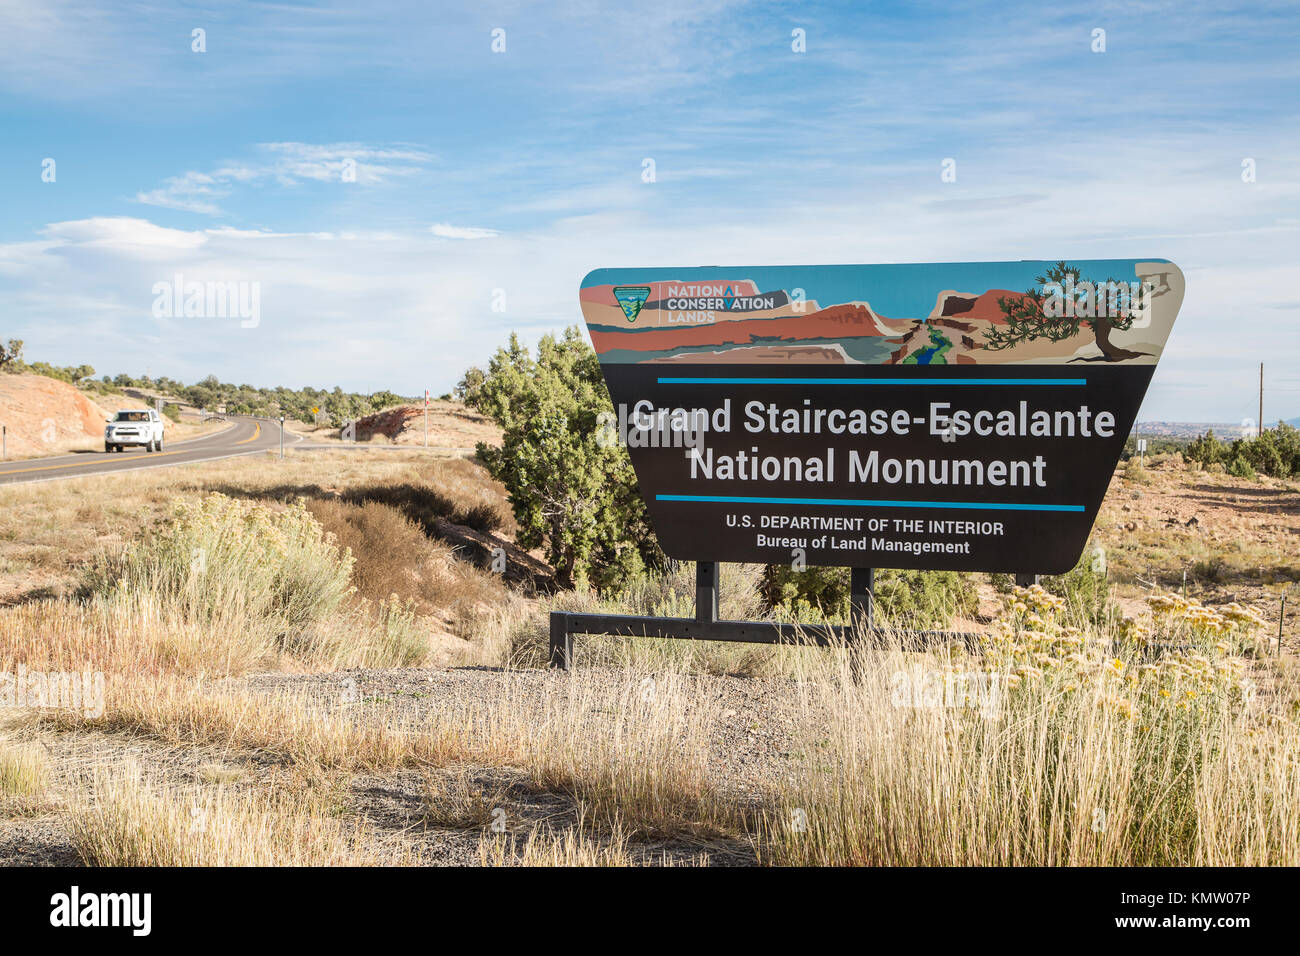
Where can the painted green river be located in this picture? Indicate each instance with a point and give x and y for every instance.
(934, 355)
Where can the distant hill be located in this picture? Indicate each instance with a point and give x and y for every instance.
(1189, 429)
(1193, 429)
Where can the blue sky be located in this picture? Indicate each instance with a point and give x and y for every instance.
(500, 179)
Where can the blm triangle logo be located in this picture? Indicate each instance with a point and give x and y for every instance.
(631, 298)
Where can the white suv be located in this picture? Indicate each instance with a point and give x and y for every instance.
(142, 426)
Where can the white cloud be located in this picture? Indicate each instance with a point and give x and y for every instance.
(287, 164)
(408, 309)
(327, 162)
(192, 192)
(123, 236)
(445, 230)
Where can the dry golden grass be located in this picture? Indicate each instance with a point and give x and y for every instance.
(50, 533)
(24, 770)
(573, 847)
(634, 753)
(456, 801)
(309, 731)
(50, 530)
(628, 750)
(1094, 774)
(141, 636)
(122, 637)
(1050, 774)
(576, 846)
(449, 489)
(392, 556)
(125, 822)
(566, 739)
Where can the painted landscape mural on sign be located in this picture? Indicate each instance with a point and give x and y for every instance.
(1107, 311)
(954, 416)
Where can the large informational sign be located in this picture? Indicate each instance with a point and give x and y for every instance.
(963, 416)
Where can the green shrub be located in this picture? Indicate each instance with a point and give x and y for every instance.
(573, 494)
(1239, 467)
(217, 557)
(72, 374)
(1085, 587)
(1134, 472)
(11, 355)
(914, 599)
(1205, 450)
(812, 594)
(1211, 570)
(925, 599)
(1275, 452)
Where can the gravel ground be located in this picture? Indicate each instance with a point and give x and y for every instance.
(749, 723)
(751, 733)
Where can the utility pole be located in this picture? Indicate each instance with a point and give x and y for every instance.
(426, 418)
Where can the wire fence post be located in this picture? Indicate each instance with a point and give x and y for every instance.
(1281, 616)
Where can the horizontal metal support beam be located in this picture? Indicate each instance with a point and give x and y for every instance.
(705, 626)
(565, 624)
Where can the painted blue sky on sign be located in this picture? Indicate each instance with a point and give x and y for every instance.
(903, 290)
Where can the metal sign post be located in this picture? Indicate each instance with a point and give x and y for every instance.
(282, 436)
(706, 626)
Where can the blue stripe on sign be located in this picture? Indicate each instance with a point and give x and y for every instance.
(869, 503)
(665, 380)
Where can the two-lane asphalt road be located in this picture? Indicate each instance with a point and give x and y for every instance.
(245, 436)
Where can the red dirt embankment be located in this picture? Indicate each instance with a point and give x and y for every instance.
(451, 425)
(43, 415)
